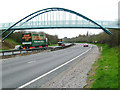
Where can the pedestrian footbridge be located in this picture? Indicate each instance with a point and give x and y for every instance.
(56, 18)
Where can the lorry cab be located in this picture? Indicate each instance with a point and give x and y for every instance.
(60, 43)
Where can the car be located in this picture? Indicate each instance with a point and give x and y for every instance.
(17, 47)
(85, 45)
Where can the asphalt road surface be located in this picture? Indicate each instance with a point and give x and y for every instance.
(22, 69)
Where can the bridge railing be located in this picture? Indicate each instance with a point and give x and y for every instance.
(63, 23)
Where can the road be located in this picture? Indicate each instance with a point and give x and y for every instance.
(20, 70)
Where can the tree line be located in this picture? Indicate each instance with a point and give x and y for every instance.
(17, 36)
(111, 40)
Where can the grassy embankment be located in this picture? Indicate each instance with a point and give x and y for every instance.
(104, 73)
(8, 44)
(12, 41)
(52, 45)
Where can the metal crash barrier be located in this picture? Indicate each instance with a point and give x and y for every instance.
(22, 51)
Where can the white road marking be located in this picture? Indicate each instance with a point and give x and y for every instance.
(31, 62)
(52, 70)
(4, 59)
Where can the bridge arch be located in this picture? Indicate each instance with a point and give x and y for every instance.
(39, 12)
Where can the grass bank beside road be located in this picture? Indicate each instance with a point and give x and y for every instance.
(52, 45)
(104, 73)
(9, 44)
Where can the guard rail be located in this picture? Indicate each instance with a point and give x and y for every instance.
(21, 51)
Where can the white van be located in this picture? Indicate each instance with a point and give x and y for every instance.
(17, 47)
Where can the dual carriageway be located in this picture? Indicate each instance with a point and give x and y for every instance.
(23, 71)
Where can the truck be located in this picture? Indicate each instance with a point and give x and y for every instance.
(30, 40)
(60, 42)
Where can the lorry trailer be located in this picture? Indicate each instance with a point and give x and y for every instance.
(30, 41)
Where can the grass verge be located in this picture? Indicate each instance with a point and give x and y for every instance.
(104, 73)
(53, 45)
(12, 41)
(5, 49)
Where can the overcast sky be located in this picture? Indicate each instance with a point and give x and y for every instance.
(14, 10)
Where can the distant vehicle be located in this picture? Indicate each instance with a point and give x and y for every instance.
(30, 41)
(85, 45)
(17, 47)
(60, 43)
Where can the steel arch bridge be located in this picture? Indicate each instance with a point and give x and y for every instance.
(54, 18)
